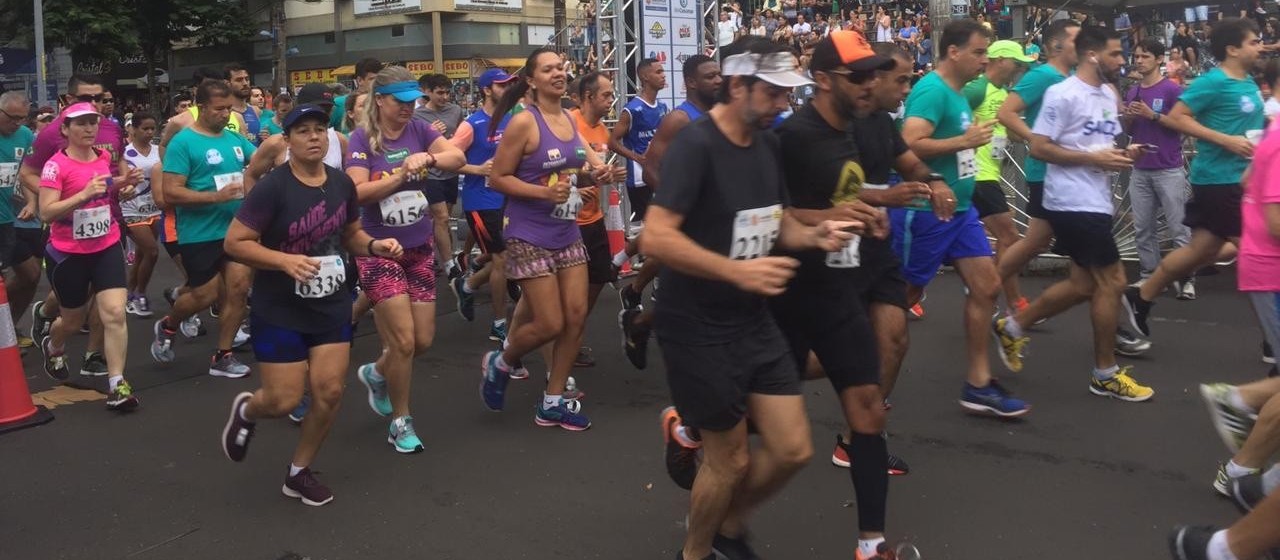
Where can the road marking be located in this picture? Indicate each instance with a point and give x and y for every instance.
(63, 395)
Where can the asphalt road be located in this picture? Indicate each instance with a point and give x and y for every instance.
(1080, 477)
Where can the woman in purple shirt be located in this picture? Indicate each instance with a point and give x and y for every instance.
(388, 158)
(540, 163)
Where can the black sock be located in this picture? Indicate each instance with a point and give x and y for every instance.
(869, 469)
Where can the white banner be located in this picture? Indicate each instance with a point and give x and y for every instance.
(384, 7)
(489, 5)
(670, 32)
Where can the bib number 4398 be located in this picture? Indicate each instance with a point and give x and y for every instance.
(755, 231)
(91, 223)
(325, 283)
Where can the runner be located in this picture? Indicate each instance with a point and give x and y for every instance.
(634, 131)
(238, 77)
(141, 213)
(482, 205)
(1222, 110)
(17, 209)
(541, 172)
(940, 129)
(282, 104)
(366, 70)
(442, 186)
(725, 356)
(985, 95)
(204, 179)
(1075, 133)
(274, 151)
(85, 256)
(389, 156)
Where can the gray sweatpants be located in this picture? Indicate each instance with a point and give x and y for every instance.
(1267, 306)
(1151, 190)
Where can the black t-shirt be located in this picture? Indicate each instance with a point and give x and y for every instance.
(730, 198)
(879, 145)
(1184, 42)
(301, 220)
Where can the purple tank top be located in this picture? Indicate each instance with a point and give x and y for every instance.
(538, 221)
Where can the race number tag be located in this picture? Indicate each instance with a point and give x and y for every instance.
(755, 231)
(221, 181)
(568, 210)
(966, 164)
(145, 205)
(403, 208)
(326, 282)
(8, 176)
(91, 223)
(847, 257)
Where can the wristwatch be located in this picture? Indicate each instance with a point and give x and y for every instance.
(1155, 117)
(934, 177)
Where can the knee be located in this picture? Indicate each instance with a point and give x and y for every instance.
(112, 313)
(278, 403)
(400, 343)
(328, 393)
(575, 314)
(731, 463)
(549, 322)
(795, 454)
(238, 289)
(986, 289)
(422, 342)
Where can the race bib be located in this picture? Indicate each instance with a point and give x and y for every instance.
(8, 176)
(755, 231)
(326, 282)
(568, 210)
(966, 164)
(847, 257)
(637, 174)
(403, 208)
(145, 205)
(221, 181)
(91, 223)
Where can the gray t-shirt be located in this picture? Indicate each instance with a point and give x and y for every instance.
(451, 115)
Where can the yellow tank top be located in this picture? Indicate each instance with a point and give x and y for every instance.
(236, 124)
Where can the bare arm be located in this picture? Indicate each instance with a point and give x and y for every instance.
(520, 135)
(368, 191)
(621, 129)
(917, 132)
(157, 187)
(264, 158)
(664, 241)
(1181, 120)
(176, 192)
(1010, 115)
(447, 156)
(667, 129)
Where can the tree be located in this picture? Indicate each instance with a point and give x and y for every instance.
(160, 24)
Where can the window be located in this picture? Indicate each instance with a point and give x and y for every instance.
(330, 38)
(397, 31)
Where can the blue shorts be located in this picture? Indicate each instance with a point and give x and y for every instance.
(925, 243)
(278, 345)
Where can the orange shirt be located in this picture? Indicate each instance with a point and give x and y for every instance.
(598, 138)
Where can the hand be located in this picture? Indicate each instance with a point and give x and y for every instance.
(1113, 159)
(831, 235)
(439, 126)
(1134, 151)
(126, 192)
(867, 216)
(1239, 145)
(908, 193)
(766, 276)
(417, 163)
(558, 193)
(1139, 108)
(133, 177)
(232, 191)
(96, 187)
(263, 135)
(299, 267)
(943, 201)
(387, 248)
(979, 134)
(28, 212)
(487, 168)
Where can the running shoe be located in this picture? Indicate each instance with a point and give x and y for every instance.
(171, 295)
(131, 308)
(1121, 386)
(305, 487)
(493, 382)
(215, 311)
(733, 549)
(635, 338)
(243, 335)
(25, 342)
(1129, 344)
(584, 359)
(1011, 347)
(1137, 310)
(992, 399)
(1222, 481)
(94, 365)
(238, 431)
(1232, 424)
(139, 307)
(466, 300)
(630, 298)
(55, 364)
(84, 329)
(193, 327)
(571, 391)
(122, 399)
(1268, 357)
(402, 436)
(225, 364)
(513, 291)
(840, 458)
(379, 398)
(40, 324)
(498, 331)
(162, 345)
(1019, 305)
(1191, 543)
(916, 311)
(300, 412)
(883, 552)
(1247, 492)
(1185, 290)
(520, 372)
(680, 452)
(567, 415)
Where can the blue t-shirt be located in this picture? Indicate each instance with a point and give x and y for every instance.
(1227, 105)
(690, 109)
(476, 192)
(644, 124)
(1031, 89)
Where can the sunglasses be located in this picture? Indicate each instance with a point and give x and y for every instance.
(94, 98)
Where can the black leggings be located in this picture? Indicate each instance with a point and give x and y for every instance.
(75, 276)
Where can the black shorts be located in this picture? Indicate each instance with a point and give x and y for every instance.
(75, 276)
(1085, 237)
(172, 248)
(1216, 209)
(277, 345)
(835, 328)
(486, 227)
(442, 190)
(202, 261)
(710, 383)
(988, 199)
(599, 260)
(880, 279)
(8, 243)
(1035, 200)
(639, 198)
(30, 245)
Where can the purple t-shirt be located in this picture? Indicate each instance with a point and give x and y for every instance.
(50, 141)
(537, 221)
(1161, 98)
(407, 219)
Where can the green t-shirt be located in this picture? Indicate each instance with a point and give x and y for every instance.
(985, 99)
(1229, 106)
(1031, 89)
(206, 162)
(948, 111)
(337, 118)
(12, 149)
(269, 123)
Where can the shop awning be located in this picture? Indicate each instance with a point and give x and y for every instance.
(348, 70)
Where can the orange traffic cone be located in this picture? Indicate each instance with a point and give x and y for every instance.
(17, 410)
(615, 227)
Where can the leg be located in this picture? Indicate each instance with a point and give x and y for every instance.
(1183, 262)
(979, 274)
(1172, 189)
(1103, 310)
(148, 252)
(864, 411)
(1061, 296)
(572, 285)
(892, 340)
(725, 455)
(1143, 201)
(498, 285)
(236, 280)
(542, 300)
(443, 237)
(1006, 233)
(26, 278)
(1039, 236)
(1254, 534)
(96, 336)
(785, 447)
(1264, 438)
(110, 307)
(396, 326)
(326, 369)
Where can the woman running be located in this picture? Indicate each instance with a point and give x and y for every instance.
(141, 213)
(84, 256)
(538, 167)
(296, 227)
(389, 156)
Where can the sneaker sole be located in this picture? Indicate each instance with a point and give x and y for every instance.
(1106, 393)
(227, 374)
(402, 450)
(1132, 315)
(1000, 350)
(155, 354)
(87, 373)
(1132, 353)
(128, 405)
(552, 423)
(51, 373)
(1269, 360)
(1228, 438)
(231, 421)
(484, 378)
(984, 409)
(839, 462)
(1176, 542)
(373, 399)
(290, 493)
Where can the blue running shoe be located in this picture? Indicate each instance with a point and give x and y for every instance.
(498, 331)
(402, 437)
(299, 412)
(377, 386)
(566, 415)
(493, 382)
(992, 399)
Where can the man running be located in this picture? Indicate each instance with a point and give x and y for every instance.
(238, 77)
(16, 205)
(442, 186)
(274, 151)
(1075, 133)
(1223, 110)
(204, 178)
(635, 130)
(940, 129)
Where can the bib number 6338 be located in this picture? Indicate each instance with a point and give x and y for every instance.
(755, 231)
(326, 282)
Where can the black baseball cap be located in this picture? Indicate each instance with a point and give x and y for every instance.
(314, 93)
(304, 112)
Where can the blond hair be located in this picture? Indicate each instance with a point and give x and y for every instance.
(370, 123)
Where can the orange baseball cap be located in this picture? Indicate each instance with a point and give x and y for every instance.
(848, 49)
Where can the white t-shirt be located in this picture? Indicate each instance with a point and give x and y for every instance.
(1082, 118)
(1271, 108)
(802, 28)
(725, 31)
(142, 205)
